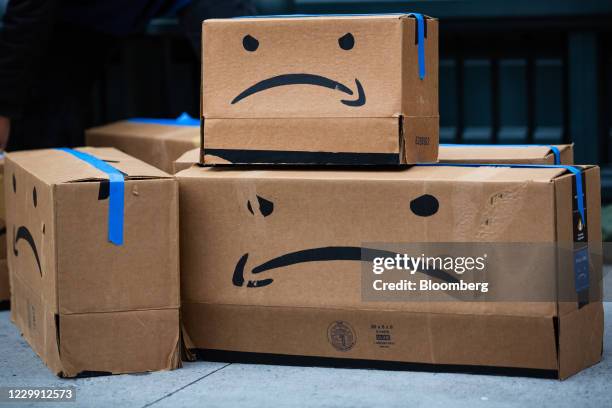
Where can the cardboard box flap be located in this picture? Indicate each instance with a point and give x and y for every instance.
(54, 166)
(435, 172)
(470, 152)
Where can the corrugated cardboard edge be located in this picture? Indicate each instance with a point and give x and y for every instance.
(580, 331)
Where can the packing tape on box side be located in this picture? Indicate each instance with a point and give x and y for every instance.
(421, 28)
(554, 149)
(116, 193)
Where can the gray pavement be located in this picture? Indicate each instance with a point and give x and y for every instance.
(213, 384)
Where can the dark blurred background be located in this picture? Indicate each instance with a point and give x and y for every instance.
(520, 71)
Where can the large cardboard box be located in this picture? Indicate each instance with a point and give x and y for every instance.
(270, 264)
(528, 154)
(155, 141)
(86, 304)
(354, 89)
(4, 277)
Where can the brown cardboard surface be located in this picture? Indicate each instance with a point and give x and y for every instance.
(156, 144)
(238, 220)
(4, 278)
(92, 298)
(380, 70)
(186, 160)
(532, 154)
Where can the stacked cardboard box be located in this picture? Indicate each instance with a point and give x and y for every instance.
(320, 90)
(272, 260)
(265, 268)
(155, 141)
(527, 154)
(94, 260)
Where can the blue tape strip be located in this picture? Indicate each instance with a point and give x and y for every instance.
(576, 171)
(116, 196)
(418, 16)
(421, 44)
(554, 149)
(183, 120)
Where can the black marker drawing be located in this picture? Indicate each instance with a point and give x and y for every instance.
(23, 233)
(425, 205)
(250, 43)
(305, 79)
(338, 253)
(265, 206)
(346, 42)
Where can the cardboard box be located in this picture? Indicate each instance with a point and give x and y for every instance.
(94, 263)
(528, 154)
(353, 89)
(4, 278)
(186, 160)
(155, 141)
(258, 275)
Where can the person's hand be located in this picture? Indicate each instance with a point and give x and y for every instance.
(5, 129)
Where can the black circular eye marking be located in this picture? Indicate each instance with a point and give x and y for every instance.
(34, 197)
(250, 43)
(14, 184)
(425, 205)
(347, 41)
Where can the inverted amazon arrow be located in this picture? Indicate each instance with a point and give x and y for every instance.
(305, 79)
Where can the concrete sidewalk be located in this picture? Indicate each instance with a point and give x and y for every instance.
(208, 384)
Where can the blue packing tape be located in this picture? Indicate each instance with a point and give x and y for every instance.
(183, 120)
(418, 16)
(554, 149)
(421, 44)
(576, 171)
(116, 195)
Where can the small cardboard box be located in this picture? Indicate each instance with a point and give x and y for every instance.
(264, 264)
(155, 141)
(85, 304)
(353, 89)
(528, 154)
(4, 277)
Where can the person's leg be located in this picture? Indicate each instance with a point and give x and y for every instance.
(191, 16)
(57, 101)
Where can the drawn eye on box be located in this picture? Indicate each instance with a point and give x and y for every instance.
(346, 42)
(425, 205)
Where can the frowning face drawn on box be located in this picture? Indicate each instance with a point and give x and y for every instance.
(424, 205)
(23, 236)
(28, 235)
(308, 67)
(345, 42)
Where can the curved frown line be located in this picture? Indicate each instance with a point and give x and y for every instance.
(303, 79)
(318, 255)
(24, 233)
